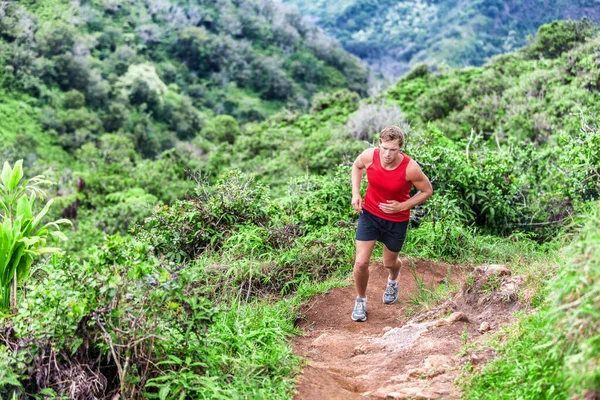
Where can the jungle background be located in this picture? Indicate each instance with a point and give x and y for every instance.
(196, 184)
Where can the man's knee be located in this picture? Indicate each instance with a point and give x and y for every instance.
(358, 264)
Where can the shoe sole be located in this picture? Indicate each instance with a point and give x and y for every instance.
(358, 320)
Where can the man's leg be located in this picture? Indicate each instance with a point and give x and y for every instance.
(391, 262)
(364, 249)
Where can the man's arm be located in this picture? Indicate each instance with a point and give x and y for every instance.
(420, 181)
(363, 160)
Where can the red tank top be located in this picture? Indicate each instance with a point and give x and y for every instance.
(387, 185)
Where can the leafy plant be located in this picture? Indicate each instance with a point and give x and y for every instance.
(21, 237)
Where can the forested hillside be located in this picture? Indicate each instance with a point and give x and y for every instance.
(206, 206)
(154, 71)
(393, 36)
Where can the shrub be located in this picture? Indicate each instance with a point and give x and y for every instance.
(189, 227)
(370, 119)
(320, 200)
(222, 128)
(141, 84)
(22, 236)
(559, 36)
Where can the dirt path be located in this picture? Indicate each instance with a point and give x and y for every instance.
(390, 356)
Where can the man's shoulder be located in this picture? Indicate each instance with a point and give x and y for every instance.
(366, 157)
(370, 151)
(413, 169)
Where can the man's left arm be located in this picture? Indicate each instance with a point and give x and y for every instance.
(420, 181)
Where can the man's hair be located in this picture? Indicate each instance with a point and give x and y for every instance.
(392, 133)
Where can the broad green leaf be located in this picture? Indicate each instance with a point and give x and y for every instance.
(31, 241)
(5, 176)
(75, 345)
(13, 263)
(44, 250)
(59, 235)
(164, 392)
(16, 176)
(55, 223)
(42, 213)
(24, 267)
(4, 207)
(24, 207)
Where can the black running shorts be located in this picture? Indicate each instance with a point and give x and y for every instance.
(390, 233)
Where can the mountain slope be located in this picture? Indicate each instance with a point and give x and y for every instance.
(392, 36)
(158, 70)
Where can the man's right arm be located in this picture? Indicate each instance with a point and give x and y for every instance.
(361, 162)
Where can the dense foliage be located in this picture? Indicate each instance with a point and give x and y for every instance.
(154, 71)
(393, 36)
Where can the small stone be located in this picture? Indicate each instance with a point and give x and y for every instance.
(386, 329)
(438, 361)
(484, 327)
(399, 378)
(493, 269)
(509, 290)
(441, 322)
(457, 316)
(416, 372)
(319, 341)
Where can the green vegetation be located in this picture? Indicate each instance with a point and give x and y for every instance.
(394, 36)
(155, 71)
(553, 353)
(22, 239)
(209, 189)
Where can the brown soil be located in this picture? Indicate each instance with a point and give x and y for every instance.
(391, 356)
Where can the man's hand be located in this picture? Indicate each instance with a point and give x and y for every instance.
(392, 207)
(357, 202)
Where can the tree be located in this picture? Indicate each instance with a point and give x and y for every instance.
(141, 84)
(559, 36)
(222, 128)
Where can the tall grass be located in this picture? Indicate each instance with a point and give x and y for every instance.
(452, 241)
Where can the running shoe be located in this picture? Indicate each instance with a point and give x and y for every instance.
(360, 310)
(391, 293)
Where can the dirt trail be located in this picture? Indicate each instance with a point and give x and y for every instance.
(390, 356)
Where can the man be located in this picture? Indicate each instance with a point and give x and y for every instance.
(385, 212)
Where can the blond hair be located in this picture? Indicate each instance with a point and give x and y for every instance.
(392, 133)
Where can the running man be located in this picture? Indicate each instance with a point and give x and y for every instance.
(385, 212)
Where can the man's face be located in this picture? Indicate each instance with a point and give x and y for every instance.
(389, 150)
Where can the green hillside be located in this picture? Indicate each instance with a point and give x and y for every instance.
(156, 71)
(393, 36)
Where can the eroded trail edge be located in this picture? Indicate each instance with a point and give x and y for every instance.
(391, 356)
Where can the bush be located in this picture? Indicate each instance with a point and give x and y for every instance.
(370, 119)
(555, 38)
(187, 228)
(320, 200)
(222, 128)
(141, 84)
